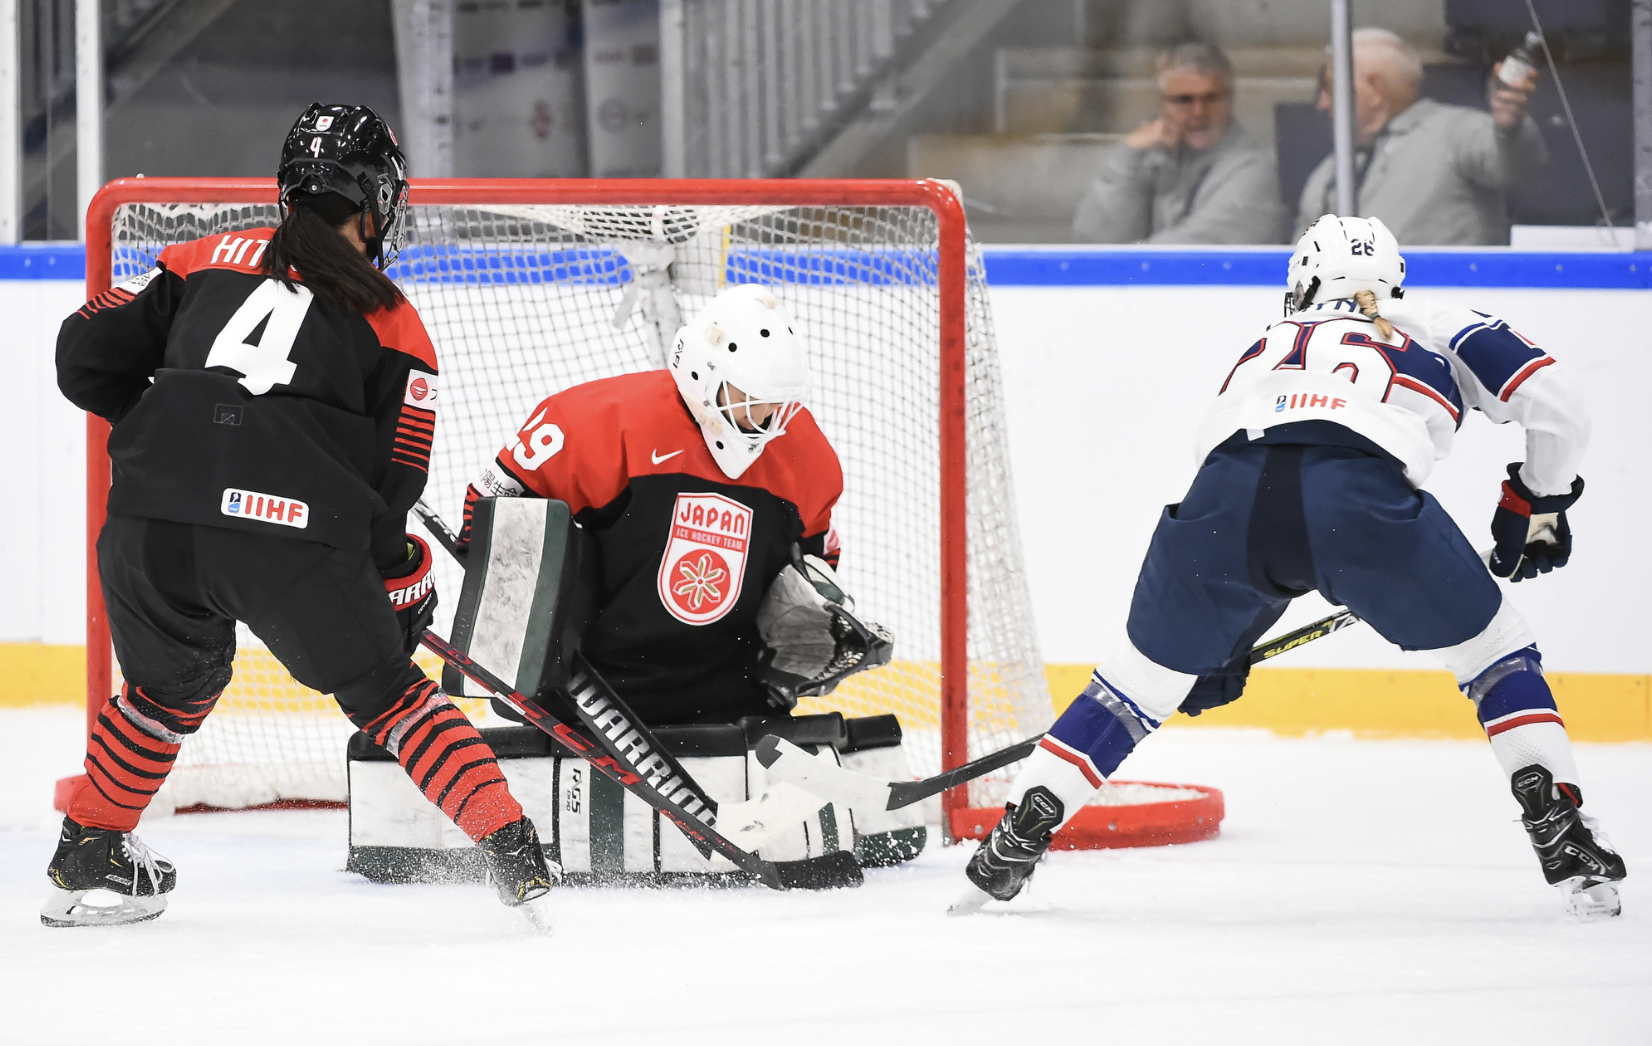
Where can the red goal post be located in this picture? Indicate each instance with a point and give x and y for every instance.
(952, 259)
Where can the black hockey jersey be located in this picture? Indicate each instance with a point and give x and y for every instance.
(237, 402)
(687, 553)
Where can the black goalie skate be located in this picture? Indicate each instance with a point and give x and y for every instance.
(1572, 849)
(518, 870)
(1009, 855)
(105, 877)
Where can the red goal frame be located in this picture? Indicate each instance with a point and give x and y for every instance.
(936, 196)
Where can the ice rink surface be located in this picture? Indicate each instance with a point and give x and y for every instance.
(1360, 892)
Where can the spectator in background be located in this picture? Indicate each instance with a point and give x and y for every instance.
(1433, 173)
(1191, 176)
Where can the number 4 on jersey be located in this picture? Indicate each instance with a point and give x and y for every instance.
(265, 364)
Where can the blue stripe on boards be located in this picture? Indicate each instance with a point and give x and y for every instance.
(510, 264)
(896, 266)
(1101, 267)
(1134, 266)
(43, 261)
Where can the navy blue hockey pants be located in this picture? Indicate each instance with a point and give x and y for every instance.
(1264, 523)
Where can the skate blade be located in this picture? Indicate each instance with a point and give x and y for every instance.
(538, 914)
(970, 902)
(66, 908)
(1594, 903)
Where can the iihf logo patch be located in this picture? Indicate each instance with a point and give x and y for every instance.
(705, 560)
(266, 508)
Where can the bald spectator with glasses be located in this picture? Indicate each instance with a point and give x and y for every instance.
(1193, 175)
(1434, 173)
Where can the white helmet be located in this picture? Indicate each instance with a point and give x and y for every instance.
(742, 340)
(1339, 257)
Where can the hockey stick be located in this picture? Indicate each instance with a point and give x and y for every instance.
(839, 869)
(602, 711)
(1306, 634)
(790, 763)
(439, 530)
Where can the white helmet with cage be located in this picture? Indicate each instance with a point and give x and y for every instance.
(1339, 258)
(740, 367)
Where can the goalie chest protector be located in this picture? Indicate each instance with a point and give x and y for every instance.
(531, 581)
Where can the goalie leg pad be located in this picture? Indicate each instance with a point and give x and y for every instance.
(882, 837)
(588, 823)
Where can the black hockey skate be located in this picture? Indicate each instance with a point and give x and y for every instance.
(1570, 846)
(1008, 857)
(518, 870)
(105, 877)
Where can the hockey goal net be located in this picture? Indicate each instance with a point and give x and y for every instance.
(529, 287)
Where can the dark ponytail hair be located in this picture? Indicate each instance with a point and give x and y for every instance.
(308, 241)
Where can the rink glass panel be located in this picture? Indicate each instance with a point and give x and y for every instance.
(525, 300)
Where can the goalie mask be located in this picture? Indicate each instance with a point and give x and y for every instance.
(740, 368)
(1339, 257)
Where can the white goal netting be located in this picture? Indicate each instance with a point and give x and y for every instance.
(523, 301)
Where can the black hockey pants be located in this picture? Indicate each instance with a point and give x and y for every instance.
(175, 590)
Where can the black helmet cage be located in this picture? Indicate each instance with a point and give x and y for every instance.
(351, 151)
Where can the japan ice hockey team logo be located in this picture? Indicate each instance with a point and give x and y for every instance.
(705, 560)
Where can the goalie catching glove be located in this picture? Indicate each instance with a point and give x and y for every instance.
(813, 639)
(412, 592)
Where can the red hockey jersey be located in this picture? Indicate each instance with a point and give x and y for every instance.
(687, 553)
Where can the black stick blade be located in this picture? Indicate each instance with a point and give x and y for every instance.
(834, 871)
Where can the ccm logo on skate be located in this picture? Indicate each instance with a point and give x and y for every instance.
(249, 504)
(1302, 399)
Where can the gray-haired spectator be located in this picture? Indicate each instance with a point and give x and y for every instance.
(1433, 173)
(1191, 176)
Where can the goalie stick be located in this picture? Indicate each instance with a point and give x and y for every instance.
(790, 763)
(838, 869)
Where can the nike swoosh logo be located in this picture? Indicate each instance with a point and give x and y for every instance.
(658, 457)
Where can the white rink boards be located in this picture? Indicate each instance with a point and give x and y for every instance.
(1102, 388)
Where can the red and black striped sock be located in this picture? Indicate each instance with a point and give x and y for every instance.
(129, 754)
(448, 760)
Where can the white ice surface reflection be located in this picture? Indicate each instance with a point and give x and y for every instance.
(1360, 892)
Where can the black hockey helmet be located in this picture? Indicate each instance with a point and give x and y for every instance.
(349, 150)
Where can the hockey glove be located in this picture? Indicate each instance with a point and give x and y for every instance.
(1222, 687)
(412, 591)
(812, 638)
(1531, 533)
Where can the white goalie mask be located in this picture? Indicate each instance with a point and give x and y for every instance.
(740, 368)
(1339, 257)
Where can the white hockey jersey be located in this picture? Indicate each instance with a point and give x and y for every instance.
(1407, 394)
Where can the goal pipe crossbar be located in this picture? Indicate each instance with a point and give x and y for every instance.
(951, 269)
